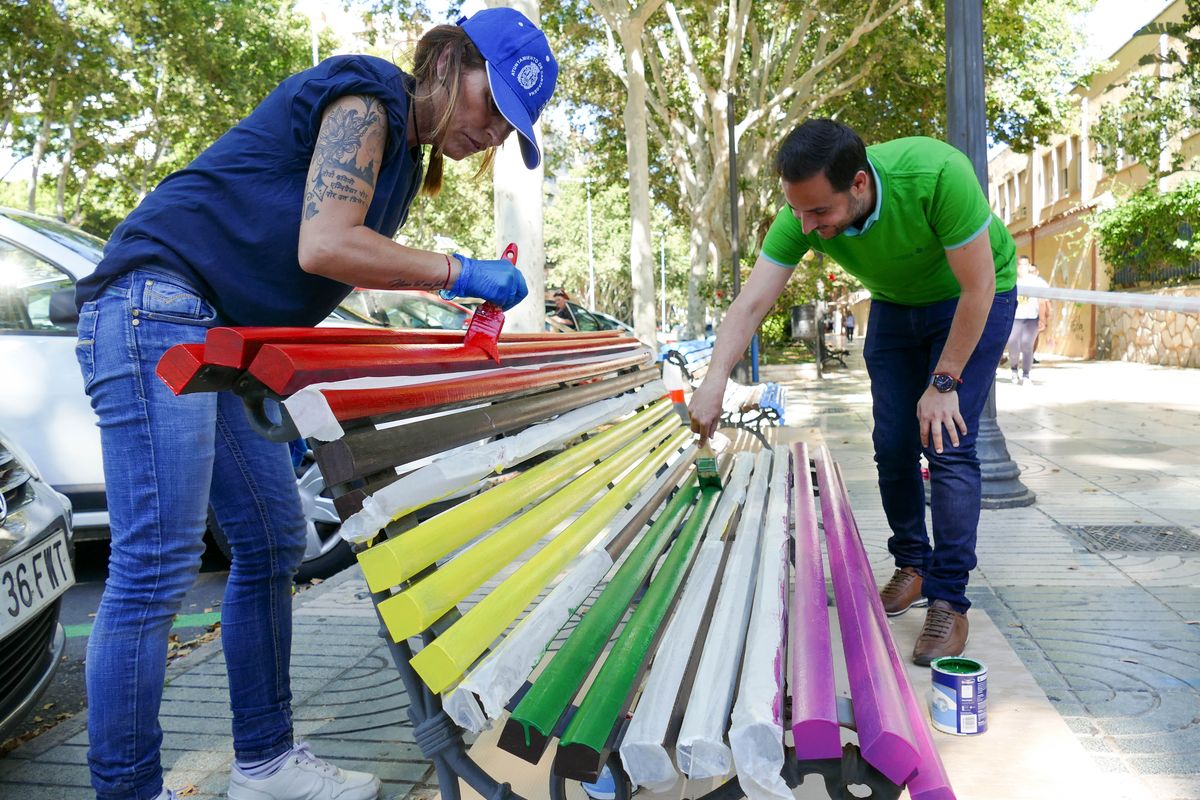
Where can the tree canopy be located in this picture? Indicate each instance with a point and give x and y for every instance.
(105, 97)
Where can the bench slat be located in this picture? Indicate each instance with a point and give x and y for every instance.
(756, 727)
(500, 675)
(392, 562)
(311, 409)
(548, 698)
(701, 751)
(445, 659)
(444, 478)
(410, 611)
(644, 746)
(930, 781)
(286, 368)
(237, 347)
(370, 450)
(583, 747)
(885, 733)
(184, 369)
(814, 704)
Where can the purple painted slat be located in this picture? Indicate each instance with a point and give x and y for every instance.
(930, 782)
(885, 735)
(814, 704)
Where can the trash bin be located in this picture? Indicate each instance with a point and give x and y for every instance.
(804, 322)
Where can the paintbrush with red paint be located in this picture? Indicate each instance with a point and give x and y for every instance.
(488, 320)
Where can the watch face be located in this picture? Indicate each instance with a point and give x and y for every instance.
(943, 383)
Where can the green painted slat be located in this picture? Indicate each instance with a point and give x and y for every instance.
(552, 692)
(593, 723)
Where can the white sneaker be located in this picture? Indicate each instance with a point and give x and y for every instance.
(165, 794)
(304, 777)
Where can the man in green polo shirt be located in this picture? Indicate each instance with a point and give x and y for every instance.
(909, 220)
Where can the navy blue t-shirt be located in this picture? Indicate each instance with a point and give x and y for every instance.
(229, 223)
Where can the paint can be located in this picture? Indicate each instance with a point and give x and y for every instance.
(958, 700)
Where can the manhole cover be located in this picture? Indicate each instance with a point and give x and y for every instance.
(1138, 538)
(834, 410)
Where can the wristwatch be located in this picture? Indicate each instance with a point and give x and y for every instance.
(945, 382)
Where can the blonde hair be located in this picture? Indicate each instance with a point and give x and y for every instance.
(462, 55)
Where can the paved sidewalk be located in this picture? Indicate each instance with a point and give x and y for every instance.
(1110, 632)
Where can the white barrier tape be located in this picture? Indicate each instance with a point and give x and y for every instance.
(1149, 302)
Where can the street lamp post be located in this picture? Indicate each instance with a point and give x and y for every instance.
(967, 126)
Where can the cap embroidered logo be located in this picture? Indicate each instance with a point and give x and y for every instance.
(528, 72)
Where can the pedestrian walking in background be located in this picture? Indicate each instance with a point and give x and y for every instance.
(1032, 314)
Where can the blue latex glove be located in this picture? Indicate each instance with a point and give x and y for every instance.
(498, 281)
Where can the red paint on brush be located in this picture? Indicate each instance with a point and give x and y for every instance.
(488, 320)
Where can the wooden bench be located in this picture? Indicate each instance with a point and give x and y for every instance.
(750, 407)
(678, 597)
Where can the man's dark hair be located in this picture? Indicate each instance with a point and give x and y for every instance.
(822, 145)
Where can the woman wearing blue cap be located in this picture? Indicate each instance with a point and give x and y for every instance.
(271, 225)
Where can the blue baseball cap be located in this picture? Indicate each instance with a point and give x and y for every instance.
(521, 69)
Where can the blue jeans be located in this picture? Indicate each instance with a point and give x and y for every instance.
(165, 458)
(902, 348)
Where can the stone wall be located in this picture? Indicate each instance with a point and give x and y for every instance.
(1150, 337)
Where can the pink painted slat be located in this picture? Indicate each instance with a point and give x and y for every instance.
(885, 735)
(930, 781)
(814, 704)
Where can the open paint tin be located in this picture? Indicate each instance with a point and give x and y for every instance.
(958, 700)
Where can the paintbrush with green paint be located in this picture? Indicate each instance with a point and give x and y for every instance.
(706, 465)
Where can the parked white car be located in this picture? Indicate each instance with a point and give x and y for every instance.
(43, 407)
(35, 571)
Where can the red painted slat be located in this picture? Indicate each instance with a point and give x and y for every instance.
(237, 347)
(184, 369)
(350, 404)
(286, 368)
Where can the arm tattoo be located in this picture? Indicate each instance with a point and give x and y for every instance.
(337, 174)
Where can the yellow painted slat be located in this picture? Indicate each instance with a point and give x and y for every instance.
(411, 611)
(444, 660)
(388, 563)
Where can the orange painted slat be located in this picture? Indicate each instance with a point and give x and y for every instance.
(287, 368)
(237, 347)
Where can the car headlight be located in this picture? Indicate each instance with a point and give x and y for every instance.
(22, 457)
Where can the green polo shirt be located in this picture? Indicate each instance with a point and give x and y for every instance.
(928, 201)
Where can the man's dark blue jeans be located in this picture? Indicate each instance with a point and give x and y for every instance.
(902, 348)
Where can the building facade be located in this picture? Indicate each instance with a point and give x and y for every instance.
(1047, 197)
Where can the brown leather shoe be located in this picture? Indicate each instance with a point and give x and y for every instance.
(902, 592)
(944, 634)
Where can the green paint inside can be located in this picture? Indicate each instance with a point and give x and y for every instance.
(954, 665)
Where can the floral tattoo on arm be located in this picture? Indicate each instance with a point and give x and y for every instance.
(336, 173)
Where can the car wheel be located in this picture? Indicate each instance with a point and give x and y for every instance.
(325, 553)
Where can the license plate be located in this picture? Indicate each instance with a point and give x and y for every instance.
(30, 582)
